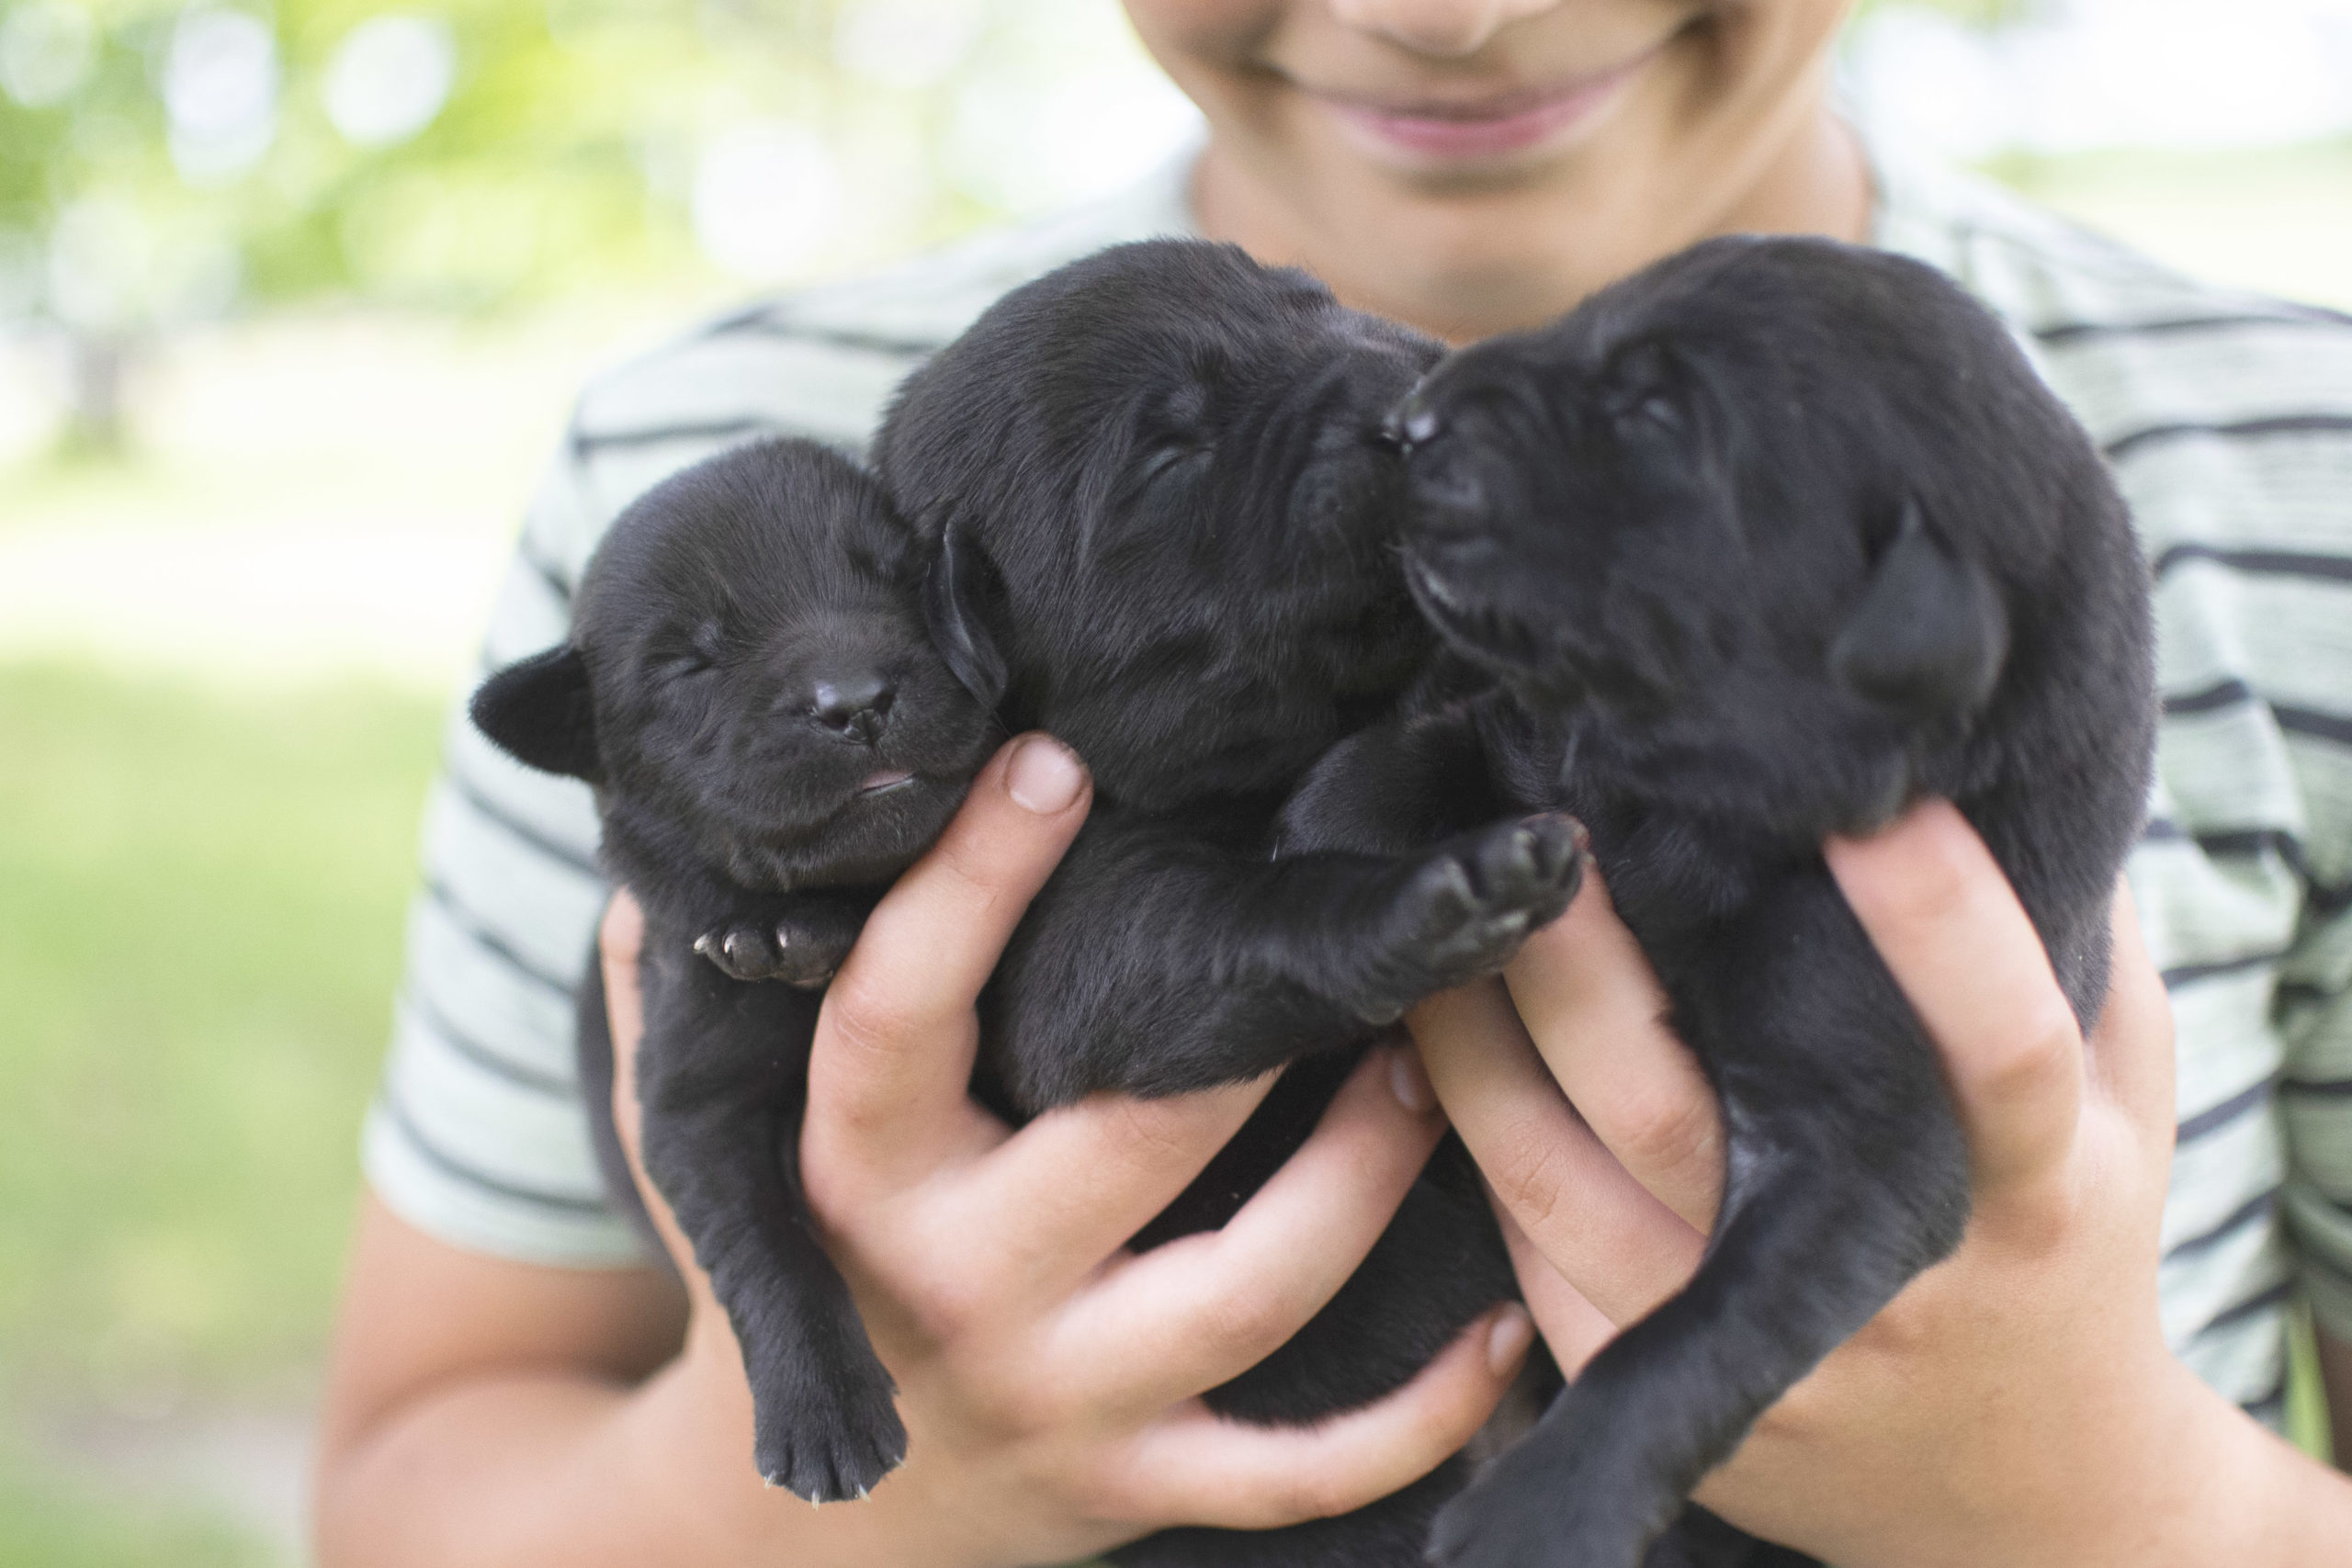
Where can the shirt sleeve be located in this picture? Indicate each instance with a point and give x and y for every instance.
(2315, 1103)
(477, 1135)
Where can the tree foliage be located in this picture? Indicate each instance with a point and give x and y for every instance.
(162, 159)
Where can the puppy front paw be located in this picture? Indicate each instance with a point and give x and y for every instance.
(785, 950)
(1463, 911)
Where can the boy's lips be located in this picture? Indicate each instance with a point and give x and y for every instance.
(1445, 132)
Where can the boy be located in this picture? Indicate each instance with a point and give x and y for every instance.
(507, 1389)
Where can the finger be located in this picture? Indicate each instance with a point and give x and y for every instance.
(619, 935)
(1205, 1308)
(1951, 928)
(1574, 1330)
(2131, 1047)
(894, 1045)
(1197, 1468)
(1066, 1191)
(1606, 1233)
(1596, 1013)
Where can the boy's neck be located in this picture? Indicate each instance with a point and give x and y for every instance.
(1467, 266)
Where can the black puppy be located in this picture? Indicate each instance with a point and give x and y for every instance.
(750, 688)
(1164, 516)
(1763, 544)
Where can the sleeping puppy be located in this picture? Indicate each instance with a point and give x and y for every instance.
(1762, 545)
(1164, 510)
(1164, 517)
(750, 688)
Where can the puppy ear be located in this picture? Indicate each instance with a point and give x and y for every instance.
(538, 712)
(1929, 634)
(957, 593)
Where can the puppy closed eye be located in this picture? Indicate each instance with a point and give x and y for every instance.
(1649, 411)
(699, 655)
(1170, 457)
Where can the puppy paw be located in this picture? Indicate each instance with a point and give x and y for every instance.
(785, 951)
(1554, 1504)
(1526, 1527)
(828, 1449)
(1502, 1533)
(1462, 912)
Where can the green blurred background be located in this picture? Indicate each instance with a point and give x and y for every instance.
(292, 297)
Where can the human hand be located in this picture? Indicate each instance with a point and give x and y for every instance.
(1048, 1378)
(2015, 1404)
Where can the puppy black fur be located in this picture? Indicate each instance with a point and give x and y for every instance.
(1761, 545)
(1164, 513)
(750, 688)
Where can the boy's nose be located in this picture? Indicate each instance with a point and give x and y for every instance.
(1444, 28)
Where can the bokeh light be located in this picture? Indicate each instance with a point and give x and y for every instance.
(220, 87)
(906, 43)
(388, 78)
(767, 196)
(46, 52)
(2077, 76)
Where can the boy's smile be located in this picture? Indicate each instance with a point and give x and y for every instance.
(1454, 131)
(1472, 166)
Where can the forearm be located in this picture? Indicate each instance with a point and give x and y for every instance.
(2313, 1517)
(2195, 1482)
(2237, 1493)
(509, 1469)
(521, 1469)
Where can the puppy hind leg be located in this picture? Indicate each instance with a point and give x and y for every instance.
(824, 1426)
(1701, 1539)
(1802, 1259)
(593, 1051)
(723, 1080)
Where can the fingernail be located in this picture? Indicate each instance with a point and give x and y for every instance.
(1507, 1340)
(1044, 776)
(1409, 1083)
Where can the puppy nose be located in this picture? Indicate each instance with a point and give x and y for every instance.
(855, 705)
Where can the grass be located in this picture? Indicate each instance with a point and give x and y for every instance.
(200, 904)
(2307, 1422)
(46, 1522)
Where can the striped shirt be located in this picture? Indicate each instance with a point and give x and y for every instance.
(2228, 418)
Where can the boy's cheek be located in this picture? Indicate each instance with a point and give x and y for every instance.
(1208, 30)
